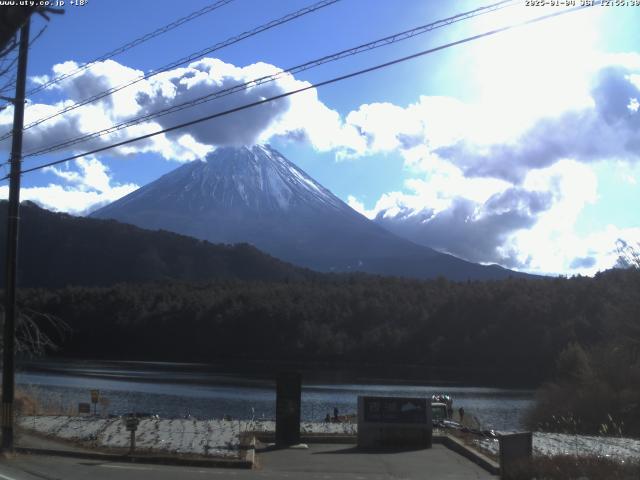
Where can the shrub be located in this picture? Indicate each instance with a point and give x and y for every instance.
(567, 467)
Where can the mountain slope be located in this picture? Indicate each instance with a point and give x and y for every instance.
(57, 250)
(255, 195)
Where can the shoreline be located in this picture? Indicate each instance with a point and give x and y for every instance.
(248, 372)
(223, 438)
(172, 392)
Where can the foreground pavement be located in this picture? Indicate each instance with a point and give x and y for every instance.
(320, 461)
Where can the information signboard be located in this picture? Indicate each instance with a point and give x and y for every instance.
(394, 422)
(95, 395)
(395, 410)
(131, 423)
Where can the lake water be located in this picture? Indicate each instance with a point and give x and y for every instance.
(179, 390)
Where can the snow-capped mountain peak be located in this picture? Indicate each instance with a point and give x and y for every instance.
(255, 195)
(257, 178)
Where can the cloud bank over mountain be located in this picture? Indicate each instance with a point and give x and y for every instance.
(608, 129)
(488, 180)
(488, 191)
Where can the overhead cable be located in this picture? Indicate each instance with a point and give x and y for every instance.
(194, 56)
(388, 40)
(308, 87)
(131, 44)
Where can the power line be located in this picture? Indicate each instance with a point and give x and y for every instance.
(13, 62)
(127, 46)
(12, 65)
(309, 87)
(7, 67)
(132, 44)
(9, 46)
(270, 78)
(230, 41)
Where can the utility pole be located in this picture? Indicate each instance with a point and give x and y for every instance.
(13, 220)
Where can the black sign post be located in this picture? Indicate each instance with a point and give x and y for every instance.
(95, 396)
(131, 423)
(288, 401)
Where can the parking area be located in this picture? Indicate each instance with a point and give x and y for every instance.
(333, 461)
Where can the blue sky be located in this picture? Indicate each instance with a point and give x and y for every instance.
(518, 149)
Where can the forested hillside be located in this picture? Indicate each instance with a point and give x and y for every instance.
(57, 250)
(596, 386)
(513, 327)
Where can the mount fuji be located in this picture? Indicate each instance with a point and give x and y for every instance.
(255, 195)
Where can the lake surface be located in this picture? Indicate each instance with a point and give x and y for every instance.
(179, 390)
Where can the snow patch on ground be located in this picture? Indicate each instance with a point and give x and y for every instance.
(222, 437)
(202, 437)
(579, 445)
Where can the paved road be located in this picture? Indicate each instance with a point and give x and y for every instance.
(320, 462)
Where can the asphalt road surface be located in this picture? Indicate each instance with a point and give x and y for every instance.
(320, 462)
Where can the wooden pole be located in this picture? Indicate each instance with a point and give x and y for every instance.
(13, 222)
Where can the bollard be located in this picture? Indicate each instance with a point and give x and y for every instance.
(133, 442)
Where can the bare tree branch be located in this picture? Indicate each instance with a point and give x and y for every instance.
(32, 338)
(628, 255)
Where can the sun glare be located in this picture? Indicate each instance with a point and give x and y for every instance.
(535, 70)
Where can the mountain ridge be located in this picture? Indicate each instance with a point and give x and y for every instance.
(58, 250)
(255, 195)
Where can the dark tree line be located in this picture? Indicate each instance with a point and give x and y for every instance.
(512, 327)
(596, 386)
(581, 335)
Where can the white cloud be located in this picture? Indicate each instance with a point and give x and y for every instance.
(359, 207)
(92, 176)
(551, 245)
(529, 227)
(606, 130)
(89, 185)
(489, 140)
(302, 116)
(490, 179)
(88, 188)
(205, 77)
(504, 179)
(71, 200)
(431, 122)
(309, 120)
(598, 248)
(542, 69)
(470, 218)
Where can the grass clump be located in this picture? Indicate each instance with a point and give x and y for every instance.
(569, 467)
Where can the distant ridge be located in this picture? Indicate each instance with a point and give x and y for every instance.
(58, 250)
(255, 195)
